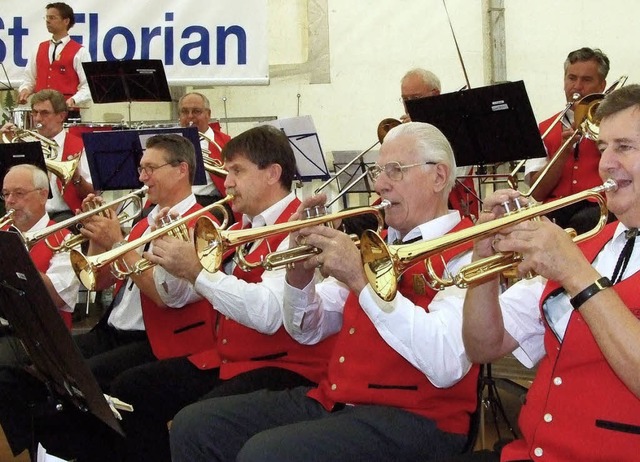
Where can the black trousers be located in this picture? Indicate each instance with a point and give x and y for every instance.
(159, 390)
(287, 425)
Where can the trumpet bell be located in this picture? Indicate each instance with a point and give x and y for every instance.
(84, 269)
(208, 243)
(585, 115)
(385, 127)
(379, 265)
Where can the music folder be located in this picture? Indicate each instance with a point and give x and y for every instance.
(484, 125)
(127, 80)
(57, 362)
(21, 153)
(114, 156)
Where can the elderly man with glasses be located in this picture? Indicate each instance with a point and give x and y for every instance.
(398, 384)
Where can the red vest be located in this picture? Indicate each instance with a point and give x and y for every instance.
(59, 75)
(72, 145)
(175, 332)
(41, 256)
(578, 174)
(577, 408)
(463, 197)
(244, 349)
(364, 369)
(221, 139)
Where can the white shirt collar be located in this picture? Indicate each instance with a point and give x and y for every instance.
(180, 208)
(429, 230)
(270, 215)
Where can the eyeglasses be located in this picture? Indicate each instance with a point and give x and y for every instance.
(149, 169)
(418, 96)
(18, 194)
(195, 111)
(394, 170)
(51, 17)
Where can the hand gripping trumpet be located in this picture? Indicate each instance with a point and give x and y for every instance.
(383, 264)
(87, 267)
(211, 243)
(32, 238)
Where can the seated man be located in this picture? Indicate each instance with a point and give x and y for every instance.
(578, 319)
(398, 385)
(48, 111)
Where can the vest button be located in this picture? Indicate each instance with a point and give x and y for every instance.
(557, 381)
(352, 330)
(334, 386)
(224, 341)
(224, 361)
(548, 418)
(538, 452)
(575, 167)
(575, 181)
(341, 359)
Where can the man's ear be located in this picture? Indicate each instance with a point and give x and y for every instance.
(274, 172)
(441, 176)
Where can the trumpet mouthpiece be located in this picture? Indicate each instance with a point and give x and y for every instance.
(575, 96)
(38, 125)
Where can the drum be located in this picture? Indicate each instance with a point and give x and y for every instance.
(21, 117)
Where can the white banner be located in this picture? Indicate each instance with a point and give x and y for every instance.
(200, 42)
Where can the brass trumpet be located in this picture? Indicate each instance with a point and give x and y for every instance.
(87, 267)
(383, 264)
(7, 219)
(32, 238)
(212, 165)
(211, 243)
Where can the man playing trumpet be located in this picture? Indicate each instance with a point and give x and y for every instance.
(578, 319)
(398, 385)
(48, 111)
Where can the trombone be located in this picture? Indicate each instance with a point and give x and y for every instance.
(384, 127)
(32, 238)
(211, 242)
(87, 267)
(384, 264)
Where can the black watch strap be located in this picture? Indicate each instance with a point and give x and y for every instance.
(590, 291)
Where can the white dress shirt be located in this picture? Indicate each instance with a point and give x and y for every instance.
(208, 189)
(60, 272)
(430, 341)
(520, 303)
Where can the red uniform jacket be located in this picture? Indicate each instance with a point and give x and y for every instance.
(577, 408)
(60, 74)
(580, 171)
(175, 332)
(364, 369)
(73, 146)
(243, 349)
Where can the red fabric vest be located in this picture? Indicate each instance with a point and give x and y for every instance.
(72, 145)
(577, 174)
(577, 409)
(364, 369)
(243, 349)
(59, 75)
(175, 332)
(463, 197)
(221, 139)
(41, 256)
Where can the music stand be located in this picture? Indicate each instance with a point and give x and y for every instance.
(21, 153)
(485, 125)
(27, 306)
(303, 137)
(114, 156)
(127, 81)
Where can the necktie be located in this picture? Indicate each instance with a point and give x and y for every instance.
(55, 47)
(625, 255)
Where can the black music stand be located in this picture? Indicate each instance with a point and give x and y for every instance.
(114, 156)
(21, 153)
(25, 303)
(485, 125)
(127, 81)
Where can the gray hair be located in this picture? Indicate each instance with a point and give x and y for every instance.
(430, 145)
(39, 177)
(428, 77)
(589, 54)
(205, 100)
(619, 100)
